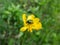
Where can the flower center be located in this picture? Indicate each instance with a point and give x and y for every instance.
(29, 21)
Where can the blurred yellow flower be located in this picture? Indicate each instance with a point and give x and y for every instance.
(31, 22)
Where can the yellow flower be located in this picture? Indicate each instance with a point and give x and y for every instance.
(30, 23)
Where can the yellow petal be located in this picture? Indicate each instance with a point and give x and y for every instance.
(24, 18)
(23, 29)
(37, 26)
(36, 20)
(31, 17)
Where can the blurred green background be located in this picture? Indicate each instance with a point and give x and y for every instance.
(11, 21)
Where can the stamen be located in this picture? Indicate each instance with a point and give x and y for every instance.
(29, 21)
